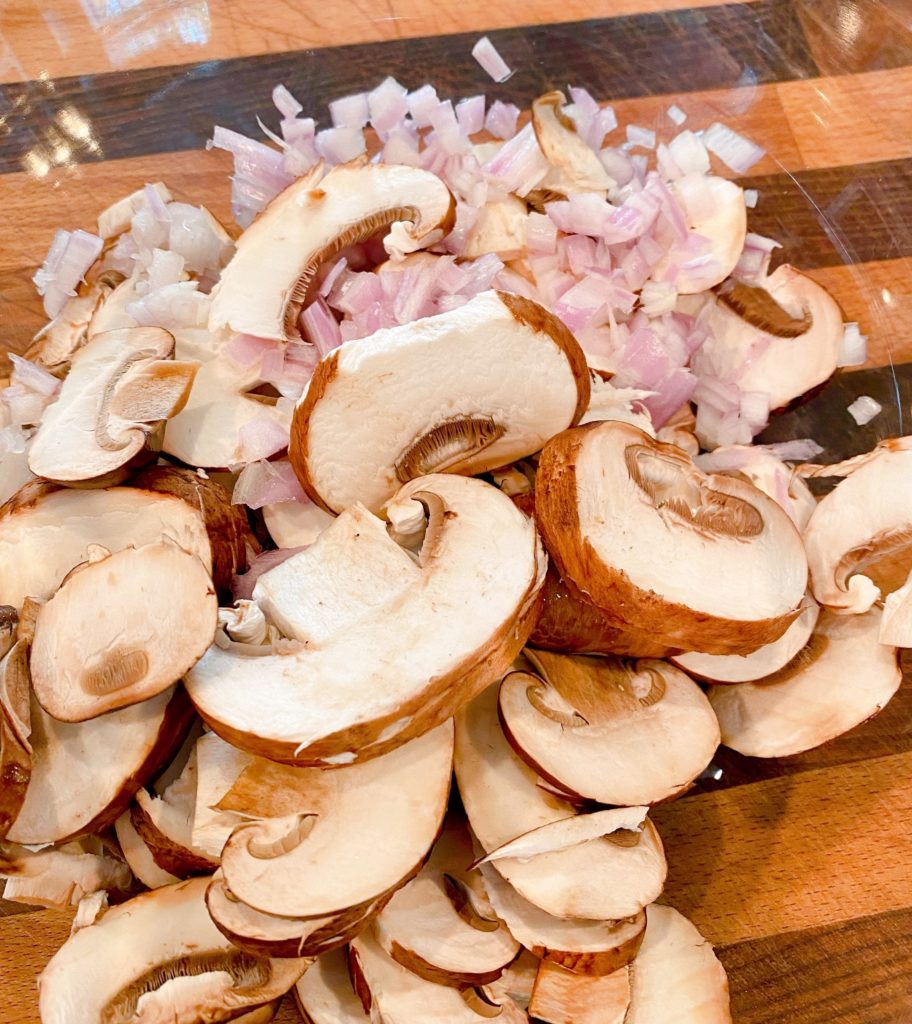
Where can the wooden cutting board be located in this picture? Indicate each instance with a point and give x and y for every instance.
(798, 870)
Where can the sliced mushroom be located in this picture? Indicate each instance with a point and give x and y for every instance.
(218, 765)
(63, 876)
(391, 993)
(663, 550)
(676, 977)
(121, 386)
(714, 209)
(15, 732)
(461, 392)
(504, 799)
(116, 219)
(843, 677)
(325, 994)
(356, 832)
(295, 524)
(14, 473)
(139, 856)
(113, 635)
(760, 353)
(437, 926)
(576, 163)
(580, 945)
(517, 981)
(84, 775)
(896, 624)
(859, 539)
(744, 668)
(500, 228)
(607, 730)
(46, 530)
(387, 645)
(263, 288)
(158, 957)
(562, 997)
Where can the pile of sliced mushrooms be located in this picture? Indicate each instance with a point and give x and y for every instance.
(264, 595)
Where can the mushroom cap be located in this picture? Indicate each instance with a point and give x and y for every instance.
(619, 733)
(325, 995)
(121, 385)
(159, 954)
(113, 636)
(358, 831)
(663, 549)
(138, 855)
(381, 411)
(843, 677)
(388, 646)
(263, 287)
(576, 163)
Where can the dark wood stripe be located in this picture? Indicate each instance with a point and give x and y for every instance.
(172, 108)
(856, 972)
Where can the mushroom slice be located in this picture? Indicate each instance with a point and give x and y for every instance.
(179, 967)
(139, 856)
(607, 730)
(85, 774)
(843, 677)
(562, 997)
(437, 926)
(113, 635)
(15, 730)
(662, 549)
(745, 668)
(714, 209)
(295, 524)
(325, 994)
(271, 935)
(676, 977)
(218, 765)
(46, 530)
(500, 228)
(391, 993)
(120, 387)
(62, 876)
(14, 473)
(761, 353)
(580, 945)
(517, 981)
(859, 539)
(412, 400)
(896, 624)
(577, 164)
(345, 837)
(503, 798)
(387, 646)
(263, 288)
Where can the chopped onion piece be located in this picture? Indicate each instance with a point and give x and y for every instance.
(734, 150)
(491, 61)
(800, 450)
(854, 348)
(33, 377)
(69, 258)
(350, 111)
(864, 409)
(689, 153)
(320, 327)
(751, 195)
(420, 103)
(259, 438)
(658, 297)
(267, 483)
(676, 115)
(285, 103)
(471, 114)
(339, 145)
(637, 135)
(388, 105)
(248, 350)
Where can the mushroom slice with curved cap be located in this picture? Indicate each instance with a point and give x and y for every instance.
(410, 400)
(577, 166)
(15, 730)
(843, 677)
(662, 549)
(389, 992)
(676, 977)
(859, 539)
(113, 635)
(120, 387)
(264, 286)
(714, 209)
(500, 228)
(387, 647)
(85, 774)
(607, 730)
(784, 355)
(61, 876)
(138, 855)
(47, 530)
(606, 878)
(179, 966)
(744, 668)
(563, 997)
(438, 927)
(325, 994)
(356, 833)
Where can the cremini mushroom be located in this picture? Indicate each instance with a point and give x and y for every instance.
(607, 730)
(158, 957)
(325, 994)
(139, 856)
(386, 645)
(263, 288)
(576, 166)
(462, 392)
(663, 550)
(598, 879)
(563, 997)
(63, 875)
(121, 386)
(841, 678)
(15, 730)
(896, 624)
(500, 228)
